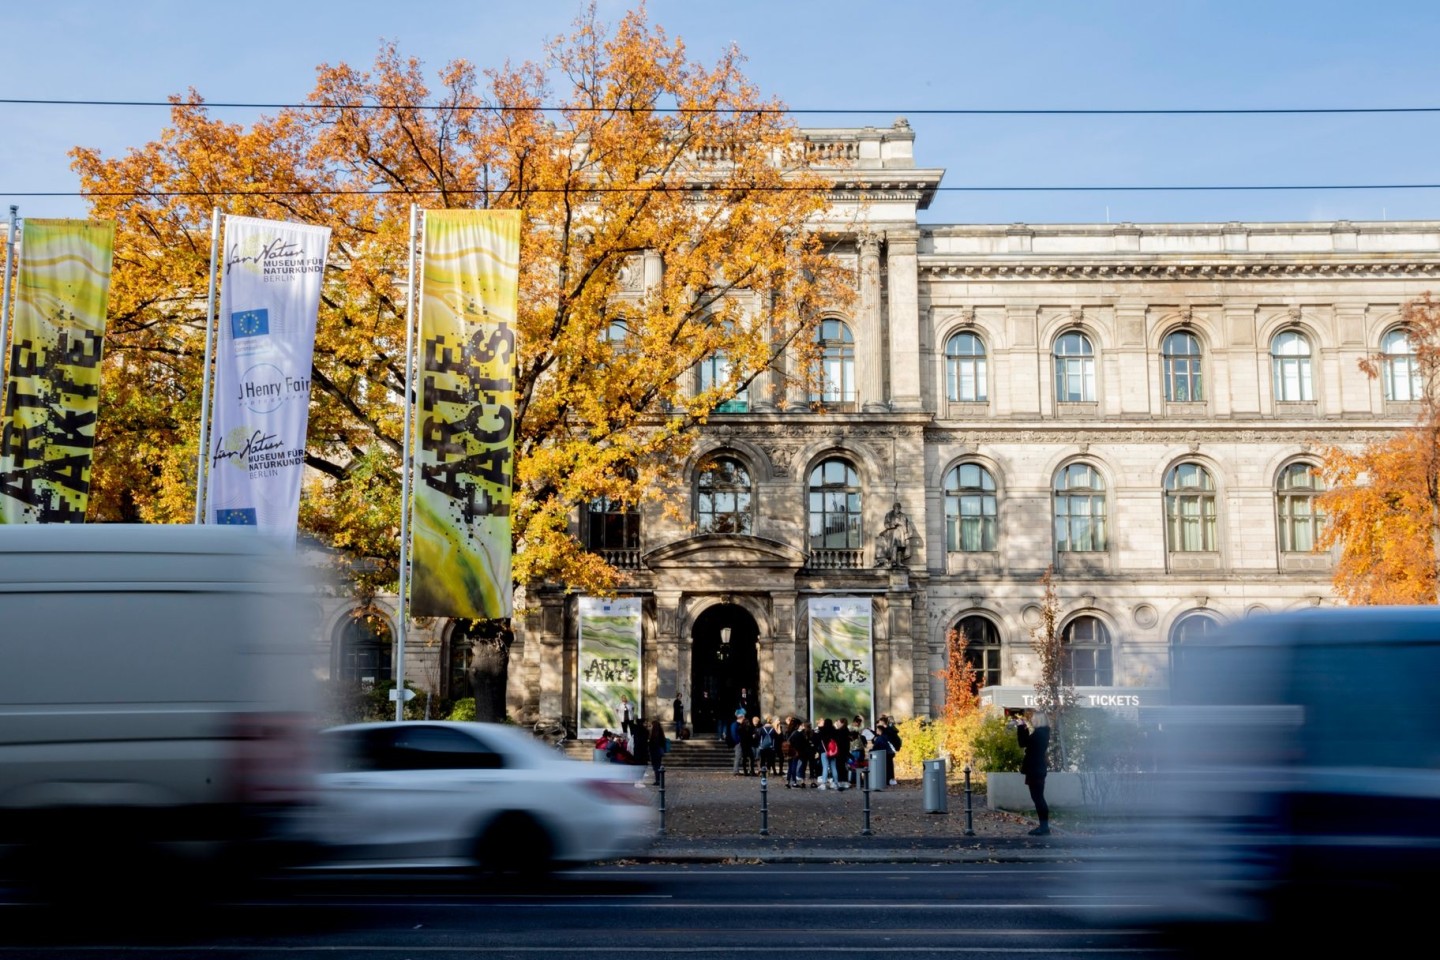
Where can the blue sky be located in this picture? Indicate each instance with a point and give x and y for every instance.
(888, 59)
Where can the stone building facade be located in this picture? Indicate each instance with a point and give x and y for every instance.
(1140, 407)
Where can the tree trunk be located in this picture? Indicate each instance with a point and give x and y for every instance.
(490, 675)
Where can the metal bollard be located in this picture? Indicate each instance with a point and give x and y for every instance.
(661, 774)
(969, 805)
(865, 785)
(764, 806)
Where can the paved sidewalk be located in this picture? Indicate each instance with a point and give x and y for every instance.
(715, 816)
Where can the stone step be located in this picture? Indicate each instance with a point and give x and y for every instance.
(704, 754)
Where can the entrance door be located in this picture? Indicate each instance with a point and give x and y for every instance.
(723, 662)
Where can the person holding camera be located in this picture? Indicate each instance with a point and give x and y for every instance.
(1036, 744)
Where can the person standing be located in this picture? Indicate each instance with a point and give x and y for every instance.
(743, 702)
(1036, 744)
(829, 745)
(627, 715)
(679, 717)
(658, 748)
(766, 744)
(733, 739)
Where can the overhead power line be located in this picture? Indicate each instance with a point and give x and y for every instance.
(812, 111)
(1072, 188)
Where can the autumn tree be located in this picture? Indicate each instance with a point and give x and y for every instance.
(1382, 505)
(1053, 690)
(667, 219)
(960, 718)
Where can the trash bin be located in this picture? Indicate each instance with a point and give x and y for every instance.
(879, 769)
(934, 782)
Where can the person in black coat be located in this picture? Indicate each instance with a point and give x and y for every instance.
(1036, 744)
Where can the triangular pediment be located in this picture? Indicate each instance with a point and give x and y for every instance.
(725, 550)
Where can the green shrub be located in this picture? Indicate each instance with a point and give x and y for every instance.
(464, 709)
(920, 741)
(996, 748)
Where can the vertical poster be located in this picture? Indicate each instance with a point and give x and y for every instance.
(464, 449)
(53, 391)
(842, 658)
(269, 298)
(609, 661)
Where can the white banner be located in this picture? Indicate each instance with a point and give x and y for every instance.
(269, 299)
(609, 662)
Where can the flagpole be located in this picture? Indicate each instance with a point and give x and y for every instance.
(403, 603)
(203, 456)
(5, 291)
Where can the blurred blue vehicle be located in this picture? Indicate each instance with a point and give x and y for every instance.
(1300, 769)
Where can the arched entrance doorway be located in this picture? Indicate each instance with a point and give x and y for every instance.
(724, 660)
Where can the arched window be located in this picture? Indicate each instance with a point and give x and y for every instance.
(836, 347)
(1180, 354)
(363, 648)
(1192, 628)
(612, 529)
(1399, 374)
(1088, 657)
(723, 496)
(982, 649)
(835, 506)
(715, 374)
(1074, 369)
(1297, 506)
(1080, 510)
(966, 378)
(615, 333)
(970, 509)
(1290, 360)
(1190, 509)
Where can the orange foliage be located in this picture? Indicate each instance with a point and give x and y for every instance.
(1383, 505)
(657, 168)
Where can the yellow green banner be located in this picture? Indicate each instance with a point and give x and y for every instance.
(47, 432)
(464, 450)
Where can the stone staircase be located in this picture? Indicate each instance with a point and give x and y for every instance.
(706, 753)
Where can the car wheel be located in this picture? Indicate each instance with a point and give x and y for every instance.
(515, 844)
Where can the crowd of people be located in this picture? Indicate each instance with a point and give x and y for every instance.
(829, 754)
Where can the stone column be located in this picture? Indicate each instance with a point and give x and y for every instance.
(902, 651)
(550, 638)
(904, 301)
(783, 681)
(870, 346)
(672, 662)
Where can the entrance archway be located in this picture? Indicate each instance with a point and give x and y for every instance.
(724, 659)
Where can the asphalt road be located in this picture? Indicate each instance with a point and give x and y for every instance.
(621, 911)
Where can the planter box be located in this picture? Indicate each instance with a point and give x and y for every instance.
(1007, 791)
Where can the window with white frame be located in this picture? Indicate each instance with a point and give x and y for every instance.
(982, 649)
(966, 376)
(836, 347)
(1180, 356)
(1192, 628)
(835, 506)
(1190, 509)
(1399, 373)
(1080, 510)
(1290, 362)
(1088, 657)
(1297, 506)
(971, 521)
(1074, 368)
(723, 496)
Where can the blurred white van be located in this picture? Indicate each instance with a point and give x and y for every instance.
(156, 693)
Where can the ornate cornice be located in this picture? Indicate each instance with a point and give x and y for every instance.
(1320, 435)
(932, 268)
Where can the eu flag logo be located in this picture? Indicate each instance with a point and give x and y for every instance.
(250, 323)
(236, 517)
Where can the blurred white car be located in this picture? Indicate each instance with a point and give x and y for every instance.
(443, 794)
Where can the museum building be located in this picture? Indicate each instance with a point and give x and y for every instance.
(1141, 407)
